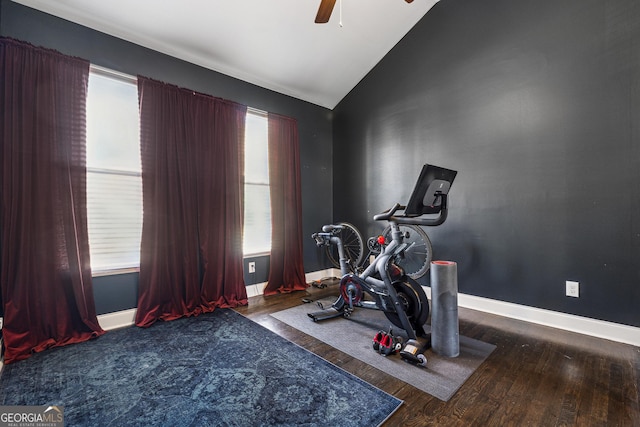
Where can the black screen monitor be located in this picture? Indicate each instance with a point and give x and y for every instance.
(424, 198)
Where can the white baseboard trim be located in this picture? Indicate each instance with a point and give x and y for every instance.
(569, 322)
(258, 288)
(118, 319)
(125, 318)
(322, 274)
(255, 290)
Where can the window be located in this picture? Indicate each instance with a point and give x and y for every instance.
(257, 205)
(114, 183)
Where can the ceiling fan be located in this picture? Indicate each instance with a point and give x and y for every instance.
(325, 9)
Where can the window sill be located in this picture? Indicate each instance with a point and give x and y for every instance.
(127, 270)
(256, 254)
(115, 271)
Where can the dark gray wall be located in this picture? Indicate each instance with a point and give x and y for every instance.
(537, 105)
(115, 293)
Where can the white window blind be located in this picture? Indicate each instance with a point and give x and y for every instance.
(257, 205)
(114, 183)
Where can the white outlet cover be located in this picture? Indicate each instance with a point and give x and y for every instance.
(573, 289)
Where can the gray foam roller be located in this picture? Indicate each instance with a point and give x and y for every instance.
(445, 334)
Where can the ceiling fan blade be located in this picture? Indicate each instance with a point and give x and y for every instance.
(324, 11)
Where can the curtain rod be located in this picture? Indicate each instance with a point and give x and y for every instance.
(133, 79)
(257, 111)
(112, 73)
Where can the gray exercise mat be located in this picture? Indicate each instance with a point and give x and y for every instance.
(441, 378)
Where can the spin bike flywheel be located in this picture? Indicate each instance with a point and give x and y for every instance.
(414, 301)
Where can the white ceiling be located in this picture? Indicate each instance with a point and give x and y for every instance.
(271, 43)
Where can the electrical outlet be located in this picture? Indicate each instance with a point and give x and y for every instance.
(252, 267)
(573, 289)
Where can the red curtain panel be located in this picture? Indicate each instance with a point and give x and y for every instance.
(192, 183)
(45, 270)
(286, 269)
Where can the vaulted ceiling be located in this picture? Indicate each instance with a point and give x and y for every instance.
(274, 44)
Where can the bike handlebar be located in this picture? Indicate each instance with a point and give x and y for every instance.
(384, 216)
(403, 219)
(331, 227)
(328, 232)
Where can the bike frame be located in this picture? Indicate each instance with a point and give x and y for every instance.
(382, 290)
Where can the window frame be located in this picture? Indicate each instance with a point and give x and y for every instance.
(129, 79)
(264, 252)
(126, 78)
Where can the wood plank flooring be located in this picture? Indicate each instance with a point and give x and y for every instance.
(537, 376)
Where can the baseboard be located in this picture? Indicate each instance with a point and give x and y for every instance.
(122, 319)
(258, 288)
(569, 322)
(118, 319)
(582, 325)
(255, 290)
(322, 274)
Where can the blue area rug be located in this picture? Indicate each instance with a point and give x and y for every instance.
(217, 369)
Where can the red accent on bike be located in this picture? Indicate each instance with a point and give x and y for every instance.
(381, 240)
(395, 272)
(351, 288)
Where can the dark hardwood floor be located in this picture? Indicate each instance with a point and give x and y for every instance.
(537, 376)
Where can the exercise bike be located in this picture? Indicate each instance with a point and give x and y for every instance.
(389, 289)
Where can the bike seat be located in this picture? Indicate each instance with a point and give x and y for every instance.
(330, 227)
